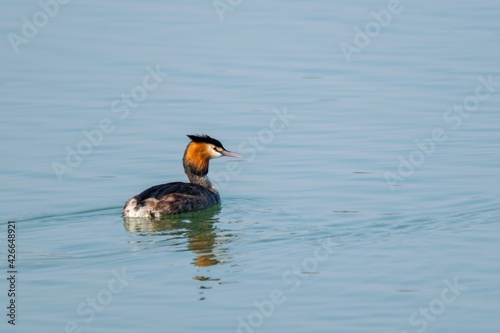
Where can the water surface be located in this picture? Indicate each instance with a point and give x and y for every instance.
(367, 201)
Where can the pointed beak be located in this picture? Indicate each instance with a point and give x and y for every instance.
(231, 154)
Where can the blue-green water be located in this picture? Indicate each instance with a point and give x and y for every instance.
(368, 200)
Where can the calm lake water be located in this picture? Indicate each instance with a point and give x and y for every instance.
(368, 200)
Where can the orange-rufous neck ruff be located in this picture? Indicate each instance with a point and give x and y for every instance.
(197, 156)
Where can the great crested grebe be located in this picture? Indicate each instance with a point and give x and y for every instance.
(178, 197)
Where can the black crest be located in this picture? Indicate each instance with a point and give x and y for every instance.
(206, 139)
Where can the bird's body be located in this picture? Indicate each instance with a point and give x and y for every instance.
(179, 197)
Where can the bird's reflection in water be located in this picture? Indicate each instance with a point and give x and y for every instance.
(204, 239)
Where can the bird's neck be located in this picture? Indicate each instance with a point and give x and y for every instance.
(196, 169)
(203, 181)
